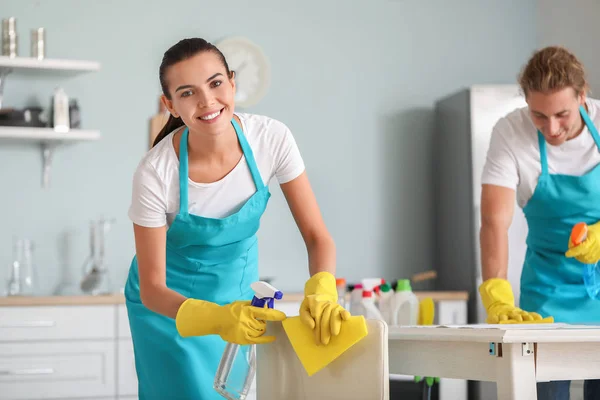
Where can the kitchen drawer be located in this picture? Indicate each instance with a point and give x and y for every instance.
(57, 322)
(57, 370)
(127, 382)
(123, 330)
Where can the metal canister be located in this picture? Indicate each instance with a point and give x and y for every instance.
(9, 37)
(38, 43)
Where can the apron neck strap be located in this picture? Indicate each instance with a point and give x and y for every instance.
(543, 158)
(590, 125)
(258, 182)
(183, 172)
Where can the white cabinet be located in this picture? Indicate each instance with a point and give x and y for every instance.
(66, 352)
(57, 370)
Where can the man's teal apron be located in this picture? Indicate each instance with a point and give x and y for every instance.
(208, 259)
(552, 284)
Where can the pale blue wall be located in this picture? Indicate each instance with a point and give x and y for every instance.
(355, 81)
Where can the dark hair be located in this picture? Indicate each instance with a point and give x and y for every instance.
(182, 50)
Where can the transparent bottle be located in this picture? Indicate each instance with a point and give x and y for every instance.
(23, 280)
(236, 371)
(237, 368)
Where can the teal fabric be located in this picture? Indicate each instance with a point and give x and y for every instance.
(209, 259)
(551, 283)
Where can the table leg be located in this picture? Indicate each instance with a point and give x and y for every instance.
(516, 373)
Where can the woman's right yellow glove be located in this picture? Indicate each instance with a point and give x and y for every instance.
(499, 302)
(237, 322)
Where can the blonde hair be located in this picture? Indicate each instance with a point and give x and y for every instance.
(553, 68)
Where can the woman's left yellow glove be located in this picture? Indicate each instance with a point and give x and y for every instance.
(588, 251)
(320, 310)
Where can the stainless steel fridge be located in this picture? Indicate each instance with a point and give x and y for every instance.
(464, 123)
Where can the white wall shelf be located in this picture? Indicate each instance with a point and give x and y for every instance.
(47, 138)
(45, 135)
(48, 64)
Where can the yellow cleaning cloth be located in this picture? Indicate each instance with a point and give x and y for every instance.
(313, 357)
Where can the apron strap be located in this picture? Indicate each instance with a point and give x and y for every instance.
(183, 172)
(258, 182)
(543, 157)
(590, 126)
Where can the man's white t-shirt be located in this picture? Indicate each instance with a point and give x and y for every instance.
(513, 158)
(155, 193)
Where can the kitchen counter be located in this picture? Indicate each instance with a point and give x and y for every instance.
(118, 298)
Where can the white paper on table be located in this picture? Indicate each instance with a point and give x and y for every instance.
(512, 326)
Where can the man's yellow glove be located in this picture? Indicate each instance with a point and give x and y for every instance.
(320, 310)
(499, 302)
(588, 251)
(238, 322)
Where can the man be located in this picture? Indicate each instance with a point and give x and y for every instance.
(547, 155)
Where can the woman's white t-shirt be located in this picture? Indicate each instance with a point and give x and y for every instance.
(155, 193)
(513, 158)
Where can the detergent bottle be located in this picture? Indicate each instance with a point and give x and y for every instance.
(386, 303)
(591, 272)
(238, 364)
(406, 307)
(340, 285)
(371, 310)
(356, 306)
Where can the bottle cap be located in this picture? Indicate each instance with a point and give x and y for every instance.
(385, 287)
(340, 282)
(403, 285)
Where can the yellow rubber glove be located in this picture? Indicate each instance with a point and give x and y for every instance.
(499, 302)
(588, 251)
(320, 310)
(237, 322)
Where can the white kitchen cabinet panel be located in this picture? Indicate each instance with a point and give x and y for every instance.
(59, 322)
(123, 330)
(128, 383)
(57, 370)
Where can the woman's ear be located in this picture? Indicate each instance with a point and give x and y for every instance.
(168, 105)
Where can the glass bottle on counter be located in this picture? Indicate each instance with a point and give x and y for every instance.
(23, 278)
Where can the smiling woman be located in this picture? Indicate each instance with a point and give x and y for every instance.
(198, 196)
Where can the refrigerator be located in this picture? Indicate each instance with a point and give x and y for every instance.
(463, 128)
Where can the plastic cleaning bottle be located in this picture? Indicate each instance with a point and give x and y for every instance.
(340, 284)
(591, 272)
(386, 303)
(406, 308)
(238, 364)
(371, 310)
(356, 306)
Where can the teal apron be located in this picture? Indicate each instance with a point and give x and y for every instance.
(552, 284)
(208, 259)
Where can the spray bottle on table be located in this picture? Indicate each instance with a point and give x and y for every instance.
(591, 272)
(238, 364)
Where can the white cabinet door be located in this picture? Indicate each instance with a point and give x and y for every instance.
(127, 378)
(57, 370)
(58, 322)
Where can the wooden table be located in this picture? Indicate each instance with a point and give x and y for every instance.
(513, 356)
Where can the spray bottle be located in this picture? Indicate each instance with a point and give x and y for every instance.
(591, 272)
(238, 364)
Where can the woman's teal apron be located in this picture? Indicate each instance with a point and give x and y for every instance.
(552, 284)
(209, 259)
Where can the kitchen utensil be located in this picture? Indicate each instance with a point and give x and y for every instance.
(97, 279)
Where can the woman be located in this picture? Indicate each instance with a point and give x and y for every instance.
(198, 196)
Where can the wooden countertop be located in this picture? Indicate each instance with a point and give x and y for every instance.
(120, 299)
